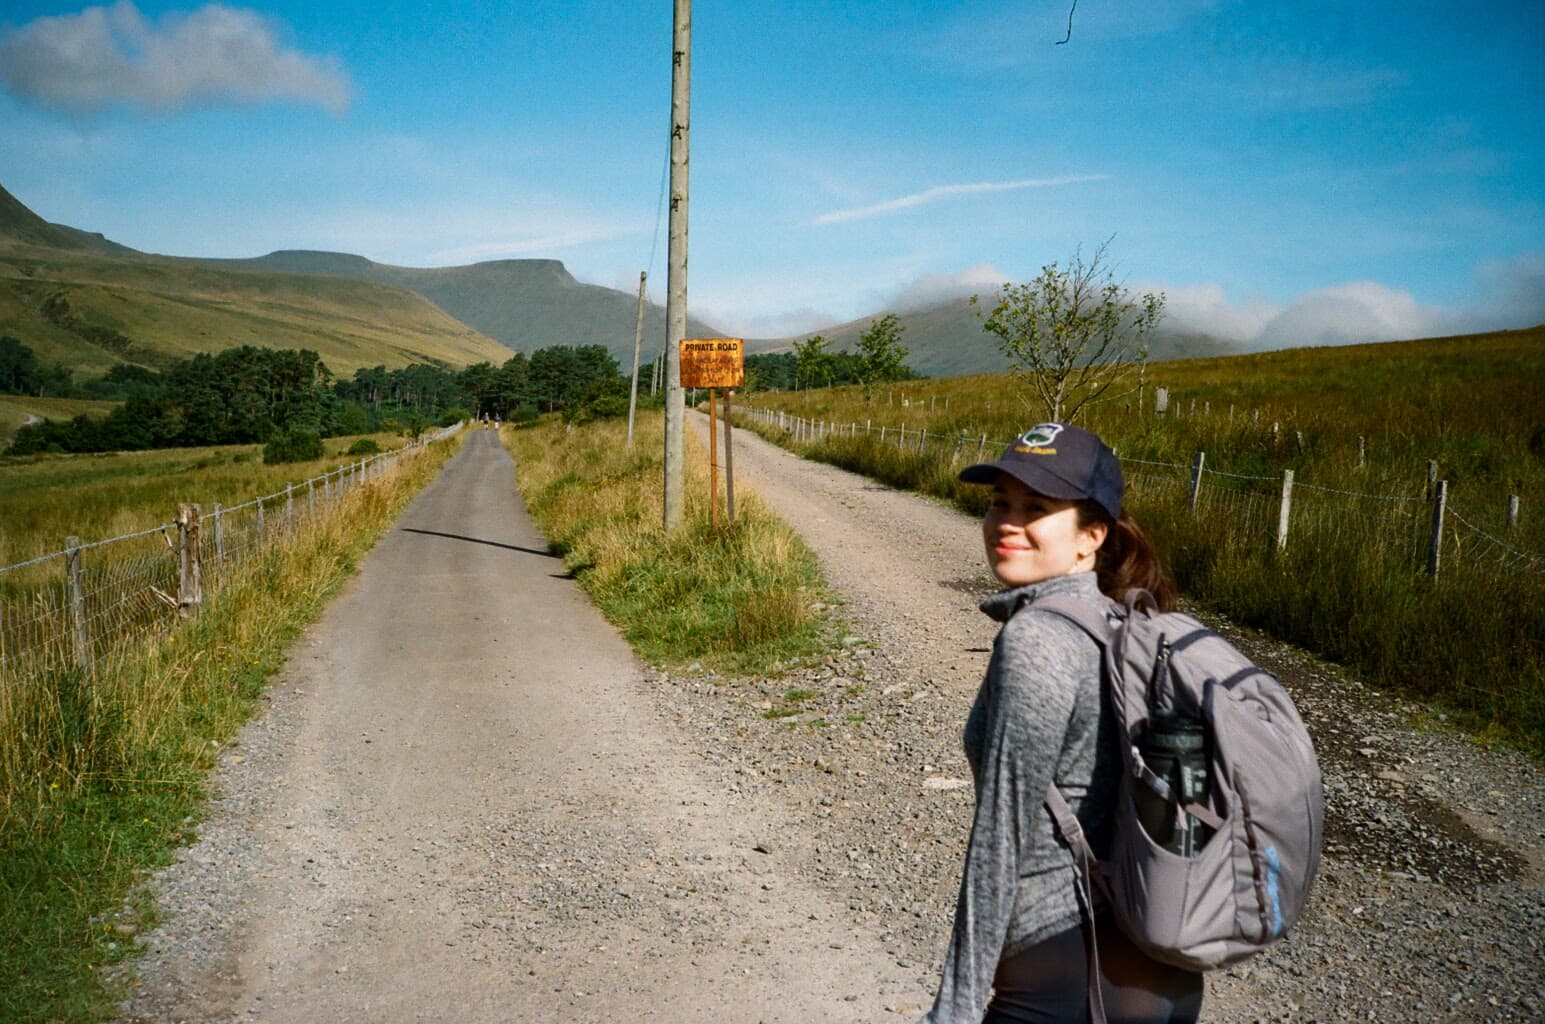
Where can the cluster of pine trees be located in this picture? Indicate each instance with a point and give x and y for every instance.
(252, 395)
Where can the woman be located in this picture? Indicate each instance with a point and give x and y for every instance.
(1055, 526)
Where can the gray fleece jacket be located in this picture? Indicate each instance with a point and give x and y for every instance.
(1038, 716)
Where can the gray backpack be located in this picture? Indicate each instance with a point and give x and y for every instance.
(1237, 892)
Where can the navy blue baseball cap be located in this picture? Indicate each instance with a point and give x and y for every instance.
(1058, 460)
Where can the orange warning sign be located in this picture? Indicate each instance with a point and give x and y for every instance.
(713, 362)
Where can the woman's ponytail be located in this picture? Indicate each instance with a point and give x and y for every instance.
(1127, 560)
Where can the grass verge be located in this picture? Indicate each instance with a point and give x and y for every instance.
(743, 598)
(104, 777)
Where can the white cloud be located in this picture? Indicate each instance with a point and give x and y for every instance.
(1351, 313)
(934, 289)
(106, 56)
(939, 192)
(1205, 309)
(1510, 293)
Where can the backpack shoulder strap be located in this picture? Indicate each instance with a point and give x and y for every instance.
(1088, 871)
(1082, 614)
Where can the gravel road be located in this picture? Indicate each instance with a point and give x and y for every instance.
(464, 803)
(1429, 905)
(467, 802)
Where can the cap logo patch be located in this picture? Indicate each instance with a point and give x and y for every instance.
(1037, 440)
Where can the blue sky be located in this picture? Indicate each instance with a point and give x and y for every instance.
(1286, 173)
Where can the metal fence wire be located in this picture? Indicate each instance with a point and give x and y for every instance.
(1401, 528)
(78, 608)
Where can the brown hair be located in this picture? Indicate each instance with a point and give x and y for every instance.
(1127, 559)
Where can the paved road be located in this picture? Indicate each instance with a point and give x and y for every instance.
(464, 807)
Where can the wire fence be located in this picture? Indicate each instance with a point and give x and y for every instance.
(1427, 530)
(76, 609)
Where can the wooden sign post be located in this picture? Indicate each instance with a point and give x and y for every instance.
(714, 363)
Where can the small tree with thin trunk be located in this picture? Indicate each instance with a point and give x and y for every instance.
(881, 356)
(812, 363)
(1073, 332)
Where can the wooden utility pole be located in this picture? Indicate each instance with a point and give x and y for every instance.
(638, 344)
(676, 279)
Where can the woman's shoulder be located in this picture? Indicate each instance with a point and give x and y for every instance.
(1038, 645)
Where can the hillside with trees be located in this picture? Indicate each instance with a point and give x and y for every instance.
(250, 395)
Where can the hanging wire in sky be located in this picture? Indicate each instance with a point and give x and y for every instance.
(659, 210)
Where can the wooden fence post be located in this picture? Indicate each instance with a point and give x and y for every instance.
(1512, 511)
(1161, 400)
(219, 539)
(260, 524)
(311, 502)
(1362, 451)
(79, 640)
(190, 591)
(289, 511)
(981, 446)
(1432, 476)
(729, 459)
(1439, 504)
(1196, 479)
(1284, 509)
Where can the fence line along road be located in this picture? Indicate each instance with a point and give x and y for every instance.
(73, 609)
(1429, 530)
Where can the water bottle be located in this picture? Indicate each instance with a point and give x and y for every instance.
(1175, 749)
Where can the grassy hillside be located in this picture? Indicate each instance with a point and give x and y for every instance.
(91, 309)
(78, 299)
(524, 304)
(22, 225)
(947, 340)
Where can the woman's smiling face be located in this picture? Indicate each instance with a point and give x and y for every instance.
(1030, 537)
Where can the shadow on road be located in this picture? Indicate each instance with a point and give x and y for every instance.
(479, 540)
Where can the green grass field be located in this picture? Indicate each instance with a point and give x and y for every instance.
(46, 498)
(1352, 583)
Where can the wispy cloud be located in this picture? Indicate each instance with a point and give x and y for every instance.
(110, 56)
(942, 192)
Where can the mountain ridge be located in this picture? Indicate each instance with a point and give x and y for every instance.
(82, 301)
(946, 339)
(523, 304)
(481, 310)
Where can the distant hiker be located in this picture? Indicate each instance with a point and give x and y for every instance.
(1018, 949)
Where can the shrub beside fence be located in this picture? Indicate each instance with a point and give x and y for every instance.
(75, 609)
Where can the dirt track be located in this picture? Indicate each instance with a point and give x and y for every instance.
(463, 807)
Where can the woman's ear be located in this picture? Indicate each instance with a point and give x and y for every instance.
(1094, 536)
